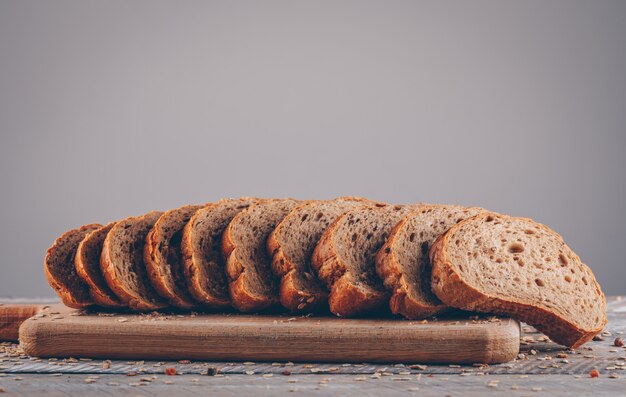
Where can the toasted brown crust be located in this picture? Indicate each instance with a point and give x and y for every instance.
(155, 260)
(117, 285)
(345, 299)
(68, 297)
(452, 289)
(101, 294)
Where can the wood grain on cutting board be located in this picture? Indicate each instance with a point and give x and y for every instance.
(12, 315)
(64, 332)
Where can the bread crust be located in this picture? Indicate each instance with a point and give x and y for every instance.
(116, 284)
(345, 299)
(453, 290)
(100, 297)
(153, 258)
(67, 297)
(196, 289)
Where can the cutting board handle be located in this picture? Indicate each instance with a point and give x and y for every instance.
(12, 315)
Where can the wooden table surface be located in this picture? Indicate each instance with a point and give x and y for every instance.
(542, 368)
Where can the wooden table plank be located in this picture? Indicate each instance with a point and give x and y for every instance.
(312, 385)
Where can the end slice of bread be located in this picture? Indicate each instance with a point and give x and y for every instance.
(87, 262)
(164, 259)
(291, 245)
(344, 258)
(517, 267)
(123, 266)
(252, 284)
(403, 263)
(61, 272)
(204, 264)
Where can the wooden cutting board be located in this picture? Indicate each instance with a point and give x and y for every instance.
(62, 332)
(13, 314)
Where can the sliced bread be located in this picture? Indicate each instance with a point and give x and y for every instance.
(344, 258)
(61, 272)
(123, 265)
(519, 268)
(403, 264)
(164, 259)
(204, 264)
(87, 262)
(251, 282)
(291, 245)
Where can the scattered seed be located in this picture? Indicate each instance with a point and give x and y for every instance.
(594, 373)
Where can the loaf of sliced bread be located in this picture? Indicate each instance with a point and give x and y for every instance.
(252, 284)
(164, 258)
(291, 245)
(345, 255)
(123, 265)
(516, 267)
(204, 264)
(87, 262)
(403, 264)
(60, 270)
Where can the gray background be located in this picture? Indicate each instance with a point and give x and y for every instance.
(113, 108)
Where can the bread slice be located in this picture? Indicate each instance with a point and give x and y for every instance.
(519, 268)
(164, 259)
(344, 258)
(60, 271)
(204, 264)
(403, 264)
(123, 266)
(291, 245)
(87, 262)
(248, 266)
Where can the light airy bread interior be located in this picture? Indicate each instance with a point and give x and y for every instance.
(164, 259)
(345, 256)
(204, 264)
(403, 264)
(517, 267)
(123, 265)
(60, 271)
(291, 245)
(251, 281)
(87, 262)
